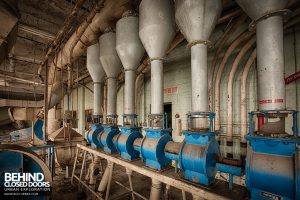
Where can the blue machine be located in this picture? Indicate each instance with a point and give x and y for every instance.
(110, 131)
(95, 130)
(200, 152)
(273, 163)
(153, 144)
(125, 139)
(38, 128)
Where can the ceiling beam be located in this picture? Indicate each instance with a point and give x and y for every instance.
(35, 31)
(5, 74)
(20, 90)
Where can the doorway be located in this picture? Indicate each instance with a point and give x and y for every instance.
(168, 111)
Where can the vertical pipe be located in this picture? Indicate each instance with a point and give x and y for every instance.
(129, 99)
(97, 98)
(244, 95)
(155, 190)
(111, 96)
(225, 58)
(129, 174)
(233, 71)
(105, 177)
(157, 97)
(53, 123)
(109, 181)
(94, 166)
(199, 82)
(270, 63)
(45, 101)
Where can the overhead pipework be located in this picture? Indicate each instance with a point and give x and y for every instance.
(8, 27)
(156, 32)
(97, 73)
(196, 20)
(112, 67)
(130, 51)
(273, 153)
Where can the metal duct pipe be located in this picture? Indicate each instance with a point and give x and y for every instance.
(155, 190)
(233, 70)
(112, 67)
(270, 63)
(270, 58)
(129, 93)
(98, 92)
(244, 95)
(54, 116)
(112, 96)
(243, 36)
(157, 84)
(105, 177)
(130, 51)
(156, 33)
(226, 35)
(90, 29)
(196, 19)
(97, 73)
(58, 91)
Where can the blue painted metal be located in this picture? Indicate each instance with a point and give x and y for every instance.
(198, 157)
(172, 156)
(200, 152)
(125, 141)
(152, 148)
(231, 171)
(129, 132)
(92, 135)
(38, 128)
(51, 155)
(106, 138)
(271, 172)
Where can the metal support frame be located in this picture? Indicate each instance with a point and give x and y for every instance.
(110, 179)
(163, 177)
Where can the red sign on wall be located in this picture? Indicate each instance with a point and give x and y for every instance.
(170, 90)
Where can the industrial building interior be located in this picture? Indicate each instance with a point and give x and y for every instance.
(151, 99)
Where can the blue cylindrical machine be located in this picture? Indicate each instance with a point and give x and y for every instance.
(270, 175)
(125, 141)
(200, 151)
(152, 148)
(272, 163)
(198, 157)
(93, 133)
(106, 138)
